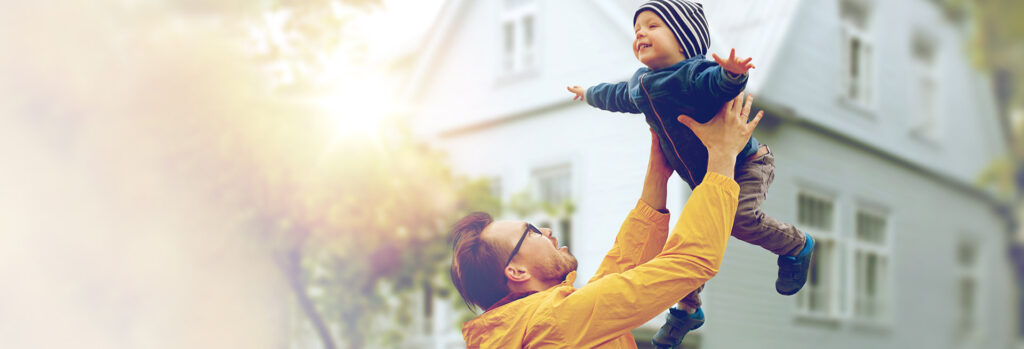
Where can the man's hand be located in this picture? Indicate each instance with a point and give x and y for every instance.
(726, 134)
(579, 91)
(734, 65)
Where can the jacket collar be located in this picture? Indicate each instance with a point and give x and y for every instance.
(514, 296)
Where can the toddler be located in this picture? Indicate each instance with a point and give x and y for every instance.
(671, 41)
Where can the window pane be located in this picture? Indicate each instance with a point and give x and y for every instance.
(966, 302)
(510, 45)
(871, 274)
(814, 213)
(528, 31)
(859, 307)
(870, 228)
(854, 12)
(527, 49)
(553, 184)
(565, 232)
(866, 73)
(871, 266)
(967, 254)
(967, 285)
(854, 57)
(816, 295)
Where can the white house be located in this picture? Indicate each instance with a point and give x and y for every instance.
(879, 126)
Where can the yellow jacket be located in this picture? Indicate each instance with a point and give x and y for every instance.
(640, 277)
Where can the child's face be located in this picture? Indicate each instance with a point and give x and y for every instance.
(655, 44)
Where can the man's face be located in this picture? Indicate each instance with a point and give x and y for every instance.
(539, 252)
(655, 45)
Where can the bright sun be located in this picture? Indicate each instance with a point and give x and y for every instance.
(365, 88)
(359, 103)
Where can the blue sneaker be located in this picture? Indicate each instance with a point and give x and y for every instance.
(677, 324)
(793, 270)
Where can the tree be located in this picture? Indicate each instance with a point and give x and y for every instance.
(350, 222)
(996, 45)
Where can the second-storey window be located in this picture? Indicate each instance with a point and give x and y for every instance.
(518, 31)
(925, 109)
(858, 52)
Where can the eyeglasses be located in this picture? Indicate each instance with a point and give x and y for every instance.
(529, 228)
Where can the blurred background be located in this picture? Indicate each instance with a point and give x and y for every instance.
(282, 173)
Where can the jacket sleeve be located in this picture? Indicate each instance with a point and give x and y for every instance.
(616, 303)
(640, 238)
(611, 97)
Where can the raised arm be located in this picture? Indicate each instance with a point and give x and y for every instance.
(622, 301)
(715, 83)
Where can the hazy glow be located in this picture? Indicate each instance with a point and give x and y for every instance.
(115, 226)
(366, 89)
(111, 234)
(359, 103)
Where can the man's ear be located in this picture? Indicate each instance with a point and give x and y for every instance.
(517, 273)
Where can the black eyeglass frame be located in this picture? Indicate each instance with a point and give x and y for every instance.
(529, 227)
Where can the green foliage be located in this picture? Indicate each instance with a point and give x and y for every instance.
(998, 178)
(522, 203)
(997, 45)
(383, 230)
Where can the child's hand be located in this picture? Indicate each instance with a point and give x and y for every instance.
(734, 65)
(579, 91)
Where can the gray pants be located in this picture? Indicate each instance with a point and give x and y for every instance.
(753, 225)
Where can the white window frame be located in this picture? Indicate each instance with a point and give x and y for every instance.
(522, 58)
(865, 85)
(926, 113)
(883, 251)
(970, 272)
(833, 309)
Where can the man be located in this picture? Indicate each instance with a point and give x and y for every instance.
(523, 280)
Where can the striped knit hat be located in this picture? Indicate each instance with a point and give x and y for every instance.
(686, 19)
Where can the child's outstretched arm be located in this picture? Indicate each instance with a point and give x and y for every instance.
(579, 91)
(734, 64)
(605, 96)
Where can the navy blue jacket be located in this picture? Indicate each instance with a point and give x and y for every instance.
(696, 87)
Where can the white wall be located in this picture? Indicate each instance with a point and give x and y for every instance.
(807, 80)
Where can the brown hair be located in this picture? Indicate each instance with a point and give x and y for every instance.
(477, 271)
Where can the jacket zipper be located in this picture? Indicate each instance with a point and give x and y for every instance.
(651, 102)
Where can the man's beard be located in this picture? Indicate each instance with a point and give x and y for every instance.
(559, 268)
